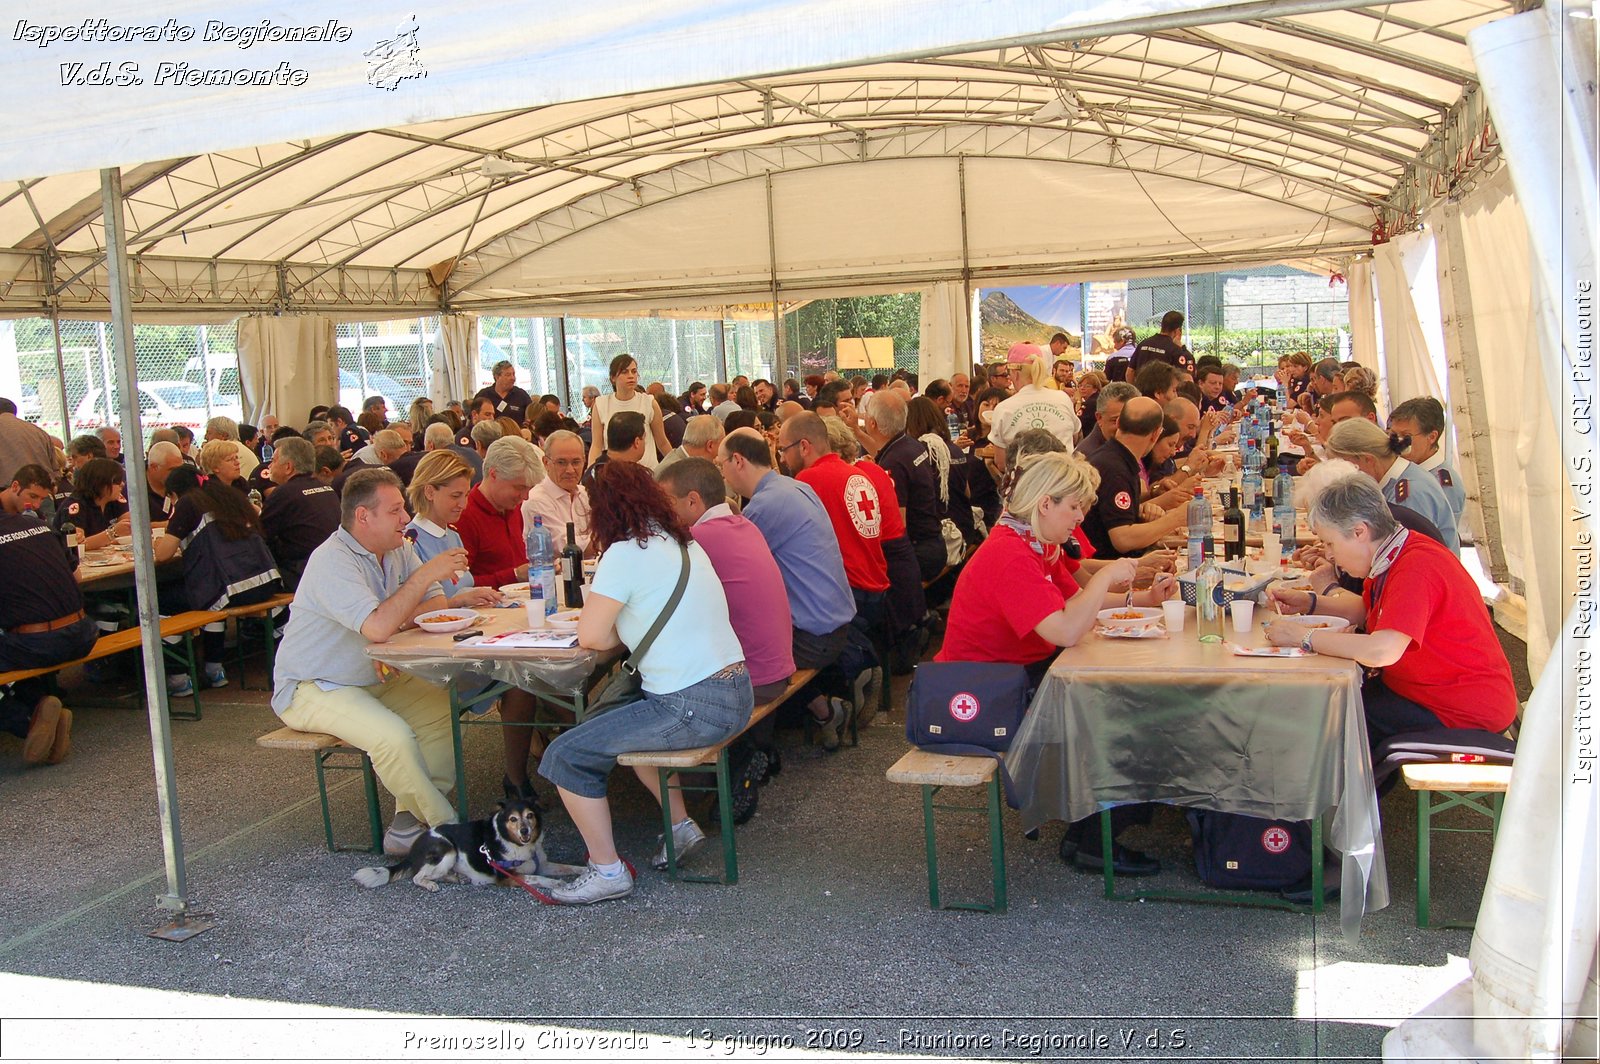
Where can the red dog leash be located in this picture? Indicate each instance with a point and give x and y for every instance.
(510, 872)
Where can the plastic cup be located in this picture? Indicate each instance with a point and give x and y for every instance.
(1244, 614)
(1174, 611)
(536, 614)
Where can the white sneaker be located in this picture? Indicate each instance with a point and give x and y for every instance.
(865, 696)
(828, 730)
(686, 839)
(591, 887)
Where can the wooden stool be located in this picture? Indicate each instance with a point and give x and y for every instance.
(934, 772)
(323, 749)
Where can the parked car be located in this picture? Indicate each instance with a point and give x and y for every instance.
(351, 395)
(162, 404)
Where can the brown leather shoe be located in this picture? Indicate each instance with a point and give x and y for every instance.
(63, 743)
(41, 736)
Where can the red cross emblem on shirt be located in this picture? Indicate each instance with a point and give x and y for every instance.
(861, 501)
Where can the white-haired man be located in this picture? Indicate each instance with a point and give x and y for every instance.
(491, 525)
(702, 436)
(560, 498)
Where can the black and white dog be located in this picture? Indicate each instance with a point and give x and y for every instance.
(513, 839)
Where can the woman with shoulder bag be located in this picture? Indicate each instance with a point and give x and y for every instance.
(655, 592)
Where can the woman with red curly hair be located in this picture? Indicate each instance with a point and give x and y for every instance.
(696, 689)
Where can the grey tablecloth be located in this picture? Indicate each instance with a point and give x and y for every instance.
(440, 659)
(1173, 720)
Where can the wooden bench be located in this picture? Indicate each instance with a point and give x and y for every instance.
(669, 763)
(179, 625)
(1478, 787)
(265, 612)
(323, 749)
(933, 773)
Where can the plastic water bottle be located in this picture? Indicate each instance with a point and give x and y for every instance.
(1250, 482)
(1283, 493)
(1199, 526)
(542, 562)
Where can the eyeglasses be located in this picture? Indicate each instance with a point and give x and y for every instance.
(785, 446)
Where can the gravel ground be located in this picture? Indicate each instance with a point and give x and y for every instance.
(827, 938)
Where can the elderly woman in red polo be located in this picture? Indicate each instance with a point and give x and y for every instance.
(1429, 646)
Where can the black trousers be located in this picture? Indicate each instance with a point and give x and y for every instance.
(37, 651)
(1391, 714)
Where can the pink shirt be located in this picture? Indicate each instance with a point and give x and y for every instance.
(758, 605)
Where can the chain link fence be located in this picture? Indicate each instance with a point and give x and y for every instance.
(1249, 317)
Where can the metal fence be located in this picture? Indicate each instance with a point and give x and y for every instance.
(1250, 331)
(187, 374)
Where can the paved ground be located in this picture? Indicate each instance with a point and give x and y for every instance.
(828, 929)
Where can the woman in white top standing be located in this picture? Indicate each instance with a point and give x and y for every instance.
(696, 689)
(625, 395)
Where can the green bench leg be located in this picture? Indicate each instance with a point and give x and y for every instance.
(997, 847)
(369, 786)
(1485, 803)
(730, 853)
(186, 659)
(930, 840)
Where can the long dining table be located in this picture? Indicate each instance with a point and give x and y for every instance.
(477, 675)
(1174, 720)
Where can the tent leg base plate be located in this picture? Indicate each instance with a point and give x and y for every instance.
(182, 929)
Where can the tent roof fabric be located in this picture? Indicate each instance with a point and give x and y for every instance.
(1274, 139)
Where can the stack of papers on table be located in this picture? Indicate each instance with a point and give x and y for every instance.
(532, 640)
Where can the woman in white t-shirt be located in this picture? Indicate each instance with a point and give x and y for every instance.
(696, 689)
(625, 395)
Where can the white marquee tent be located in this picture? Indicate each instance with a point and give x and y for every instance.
(667, 157)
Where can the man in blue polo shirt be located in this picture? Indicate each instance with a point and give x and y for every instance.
(797, 529)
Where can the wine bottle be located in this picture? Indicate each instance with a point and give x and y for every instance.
(1233, 528)
(572, 570)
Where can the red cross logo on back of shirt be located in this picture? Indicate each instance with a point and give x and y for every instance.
(861, 500)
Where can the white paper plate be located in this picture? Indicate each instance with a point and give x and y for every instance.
(432, 622)
(1144, 617)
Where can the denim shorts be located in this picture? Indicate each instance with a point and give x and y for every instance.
(581, 759)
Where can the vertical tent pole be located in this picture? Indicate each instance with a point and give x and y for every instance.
(61, 375)
(966, 263)
(563, 378)
(677, 369)
(780, 367)
(722, 350)
(144, 563)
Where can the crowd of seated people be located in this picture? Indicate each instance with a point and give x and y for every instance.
(813, 523)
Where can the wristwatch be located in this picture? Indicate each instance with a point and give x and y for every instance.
(1305, 643)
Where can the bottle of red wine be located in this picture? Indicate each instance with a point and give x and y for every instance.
(1233, 528)
(572, 570)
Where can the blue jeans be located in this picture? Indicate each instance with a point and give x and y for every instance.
(580, 760)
